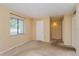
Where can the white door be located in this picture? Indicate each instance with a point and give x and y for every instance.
(40, 30)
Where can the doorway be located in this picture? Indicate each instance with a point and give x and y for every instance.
(56, 30)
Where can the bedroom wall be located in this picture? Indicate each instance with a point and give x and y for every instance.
(6, 40)
(67, 29)
(76, 30)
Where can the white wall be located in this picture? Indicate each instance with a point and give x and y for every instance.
(76, 30)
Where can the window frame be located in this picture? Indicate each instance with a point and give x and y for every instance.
(18, 27)
(17, 19)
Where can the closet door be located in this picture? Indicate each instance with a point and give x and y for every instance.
(40, 30)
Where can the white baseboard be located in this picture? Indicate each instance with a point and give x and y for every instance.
(6, 50)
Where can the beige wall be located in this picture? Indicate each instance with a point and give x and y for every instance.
(46, 21)
(71, 29)
(74, 31)
(56, 30)
(67, 29)
(6, 40)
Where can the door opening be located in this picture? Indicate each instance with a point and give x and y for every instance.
(56, 29)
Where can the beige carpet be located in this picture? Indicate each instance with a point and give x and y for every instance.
(37, 48)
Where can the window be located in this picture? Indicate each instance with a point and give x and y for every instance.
(16, 26)
(20, 26)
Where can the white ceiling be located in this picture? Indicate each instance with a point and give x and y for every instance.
(42, 9)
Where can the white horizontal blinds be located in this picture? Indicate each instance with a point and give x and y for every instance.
(16, 25)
